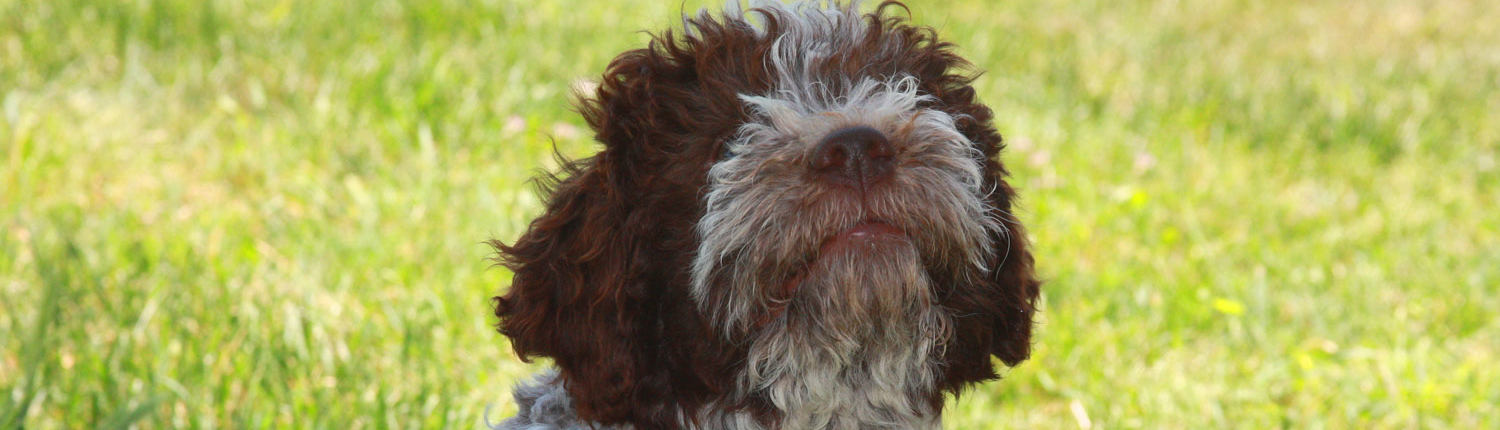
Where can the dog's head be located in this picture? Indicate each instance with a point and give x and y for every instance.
(792, 203)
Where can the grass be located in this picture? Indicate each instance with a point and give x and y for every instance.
(237, 214)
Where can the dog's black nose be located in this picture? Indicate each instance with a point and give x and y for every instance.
(856, 157)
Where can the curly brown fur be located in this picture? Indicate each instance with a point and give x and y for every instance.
(674, 287)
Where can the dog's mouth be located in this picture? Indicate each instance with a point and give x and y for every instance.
(861, 237)
(867, 237)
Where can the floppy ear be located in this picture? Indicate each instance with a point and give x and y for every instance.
(1008, 300)
(993, 317)
(572, 297)
(1015, 286)
(997, 312)
(579, 293)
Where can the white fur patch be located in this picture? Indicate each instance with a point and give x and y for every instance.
(545, 405)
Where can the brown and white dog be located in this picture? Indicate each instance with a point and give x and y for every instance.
(798, 220)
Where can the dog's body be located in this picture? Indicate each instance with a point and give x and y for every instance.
(799, 223)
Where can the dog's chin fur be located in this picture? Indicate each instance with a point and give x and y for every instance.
(677, 287)
(853, 348)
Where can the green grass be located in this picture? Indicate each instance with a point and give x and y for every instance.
(261, 214)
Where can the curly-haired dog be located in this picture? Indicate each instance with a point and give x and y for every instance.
(798, 220)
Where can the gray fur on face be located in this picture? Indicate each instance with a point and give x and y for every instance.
(856, 352)
(854, 343)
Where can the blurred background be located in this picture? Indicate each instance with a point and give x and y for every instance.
(269, 214)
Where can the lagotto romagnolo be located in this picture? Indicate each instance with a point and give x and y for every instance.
(798, 220)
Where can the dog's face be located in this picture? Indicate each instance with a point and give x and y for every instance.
(800, 222)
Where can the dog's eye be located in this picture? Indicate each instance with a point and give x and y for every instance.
(725, 153)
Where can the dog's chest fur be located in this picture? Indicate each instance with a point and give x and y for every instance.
(853, 398)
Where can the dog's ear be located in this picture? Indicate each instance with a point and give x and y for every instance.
(573, 297)
(998, 312)
(579, 294)
(1011, 295)
(993, 318)
(1015, 286)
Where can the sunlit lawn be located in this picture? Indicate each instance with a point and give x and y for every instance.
(269, 214)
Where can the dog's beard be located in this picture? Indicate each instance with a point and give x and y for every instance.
(852, 338)
(853, 347)
(861, 292)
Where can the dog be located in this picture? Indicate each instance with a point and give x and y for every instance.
(798, 220)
